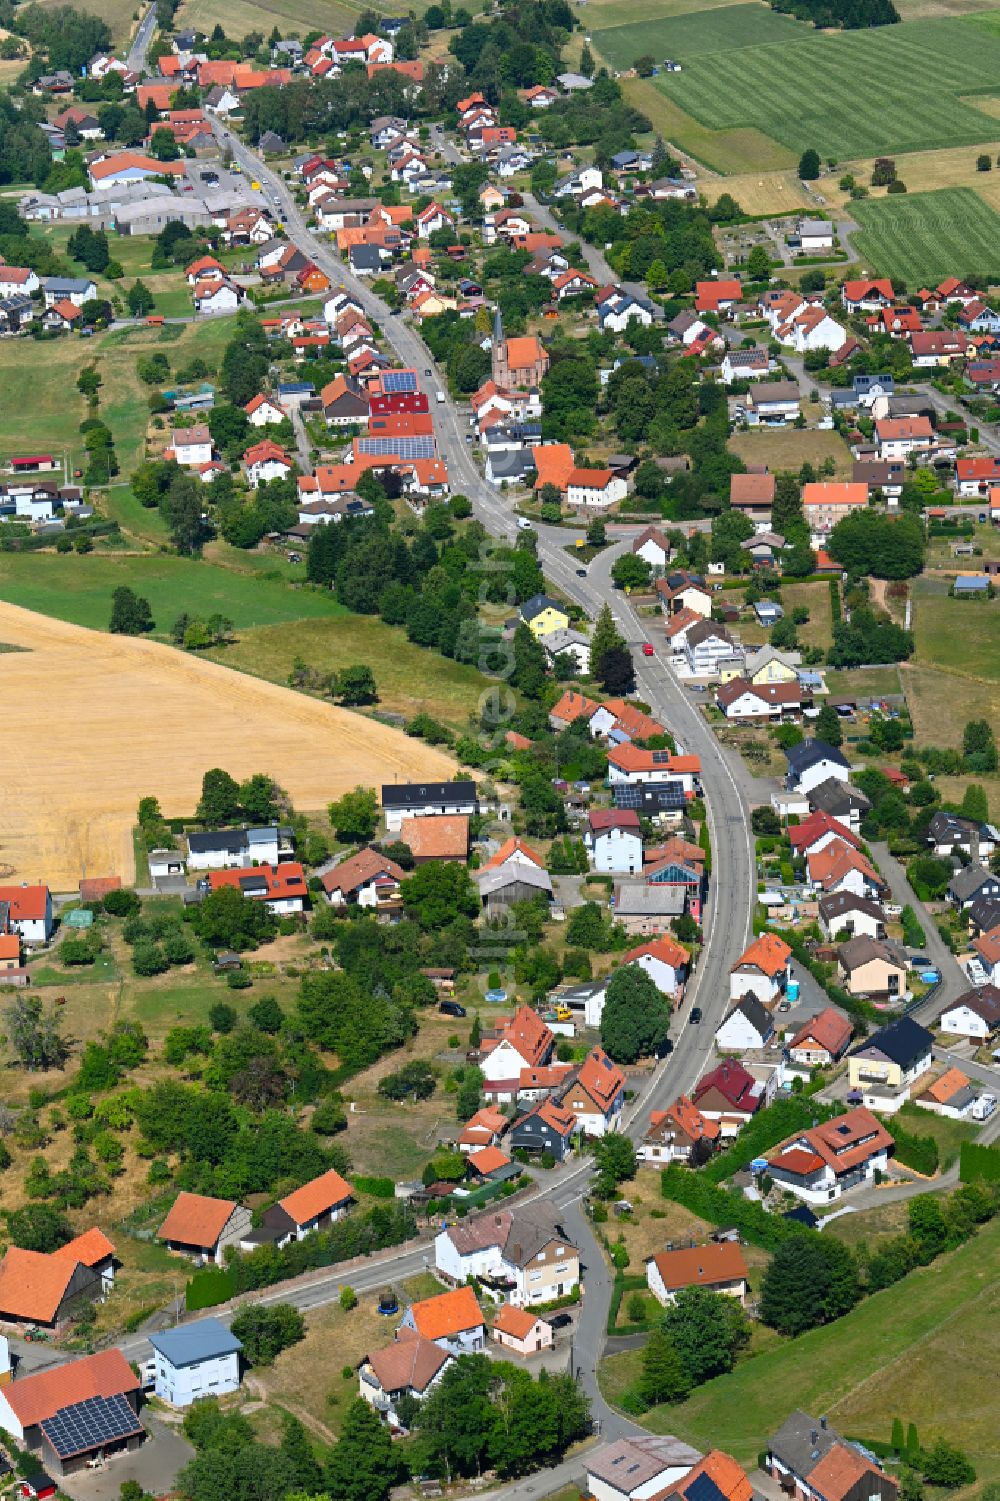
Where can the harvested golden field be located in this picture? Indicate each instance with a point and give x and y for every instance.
(94, 722)
(760, 192)
(791, 447)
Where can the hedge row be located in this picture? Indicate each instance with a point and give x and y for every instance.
(977, 1163)
(769, 1126)
(918, 1152)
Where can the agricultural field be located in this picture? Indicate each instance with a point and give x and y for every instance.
(848, 94)
(292, 17)
(126, 717)
(790, 448)
(121, 15)
(921, 237)
(737, 151)
(939, 703)
(916, 1350)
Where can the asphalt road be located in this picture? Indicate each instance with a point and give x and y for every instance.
(136, 60)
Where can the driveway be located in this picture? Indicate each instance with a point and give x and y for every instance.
(953, 981)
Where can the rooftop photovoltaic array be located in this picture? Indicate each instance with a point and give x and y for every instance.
(406, 448)
(399, 380)
(89, 1424)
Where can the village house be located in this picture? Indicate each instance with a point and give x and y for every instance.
(452, 1320)
(410, 1366)
(613, 839)
(640, 1467)
(762, 970)
(747, 1027)
(425, 800)
(821, 1040)
(195, 1361)
(521, 1332)
(664, 960)
(874, 968)
(974, 1014)
(522, 1251)
(317, 1205)
(595, 1094)
(47, 1288)
(847, 914)
(681, 1133)
(366, 879)
(720, 1267)
(813, 761)
(730, 1095)
(883, 1067)
(829, 1160)
(811, 1462)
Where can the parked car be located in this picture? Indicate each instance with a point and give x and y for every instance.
(695, 1016)
(647, 649)
(451, 1008)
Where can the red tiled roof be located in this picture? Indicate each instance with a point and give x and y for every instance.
(447, 1314)
(92, 1247)
(442, 836)
(488, 1160)
(316, 1197)
(511, 847)
(701, 1266)
(195, 1220)
(768, 953)
(32, 1285)
(517, 1322)
(286, 879)
(828, 1030)
(27, 903)
(802, 835)
(35, 1398)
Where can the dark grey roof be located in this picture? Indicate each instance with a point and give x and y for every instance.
(757, 1015)
(970, 879)
(801, 1442)
(836, 797)
(810, 752)
(233, 841)
(984, 913)
(835, 903)
(426, 794)
(774, 390)
(959, 830)
(511, 465)
(537, 603)
(369, 257)
(902, 1041)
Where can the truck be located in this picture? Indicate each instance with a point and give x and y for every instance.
(439, 398)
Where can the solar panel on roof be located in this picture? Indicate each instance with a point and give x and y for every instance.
(406, 448)
(703, 1488)
(89, 1424)
(399, 380)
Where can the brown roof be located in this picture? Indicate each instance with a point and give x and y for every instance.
(32, 1285)
(701, 1266)
(602, 1079)
(316, 1197)
(526, 1032)
(488, 1160)
(829, 1029)
(358, 870)
(950, 1082)
(35, 1398)
(93, 888)
(409, 1363)
(447, 1314)
(751, 489)
(195, 1220)
(442, 836)
(842, 1143)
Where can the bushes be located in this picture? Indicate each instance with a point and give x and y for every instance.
(208, 1287)
(913, 934)
(726, 1207)
(769, 1126)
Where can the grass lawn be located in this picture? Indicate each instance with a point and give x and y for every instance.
(918, 1350)
(952, 789)
(42, 408)
(847, 93)
(917, 236)
(237, 17)
(864, 683)
(410, 679)
(940, 702)
(790, 448)
(948, 1134)
(869, 1226)
(960, 635)
(79, 589)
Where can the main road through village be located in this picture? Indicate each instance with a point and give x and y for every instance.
(727, 921)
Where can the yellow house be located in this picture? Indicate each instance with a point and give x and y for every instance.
(770, 666)
(543, 615)
(891, 1058)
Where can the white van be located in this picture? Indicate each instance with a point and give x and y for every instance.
(524, 524)
(439, 397)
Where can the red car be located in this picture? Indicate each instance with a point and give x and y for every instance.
(647, 648)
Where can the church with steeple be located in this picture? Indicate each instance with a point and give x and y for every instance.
(517, 363)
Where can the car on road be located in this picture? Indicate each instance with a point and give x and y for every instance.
(647, 649)
(451, 1008)
(695, 1016)
(581, 573)
(560, 1321)
(427, 372)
